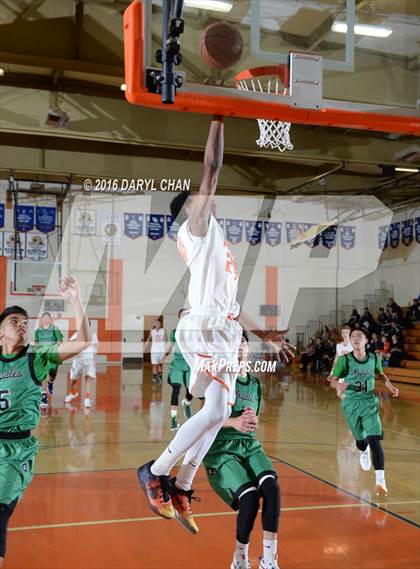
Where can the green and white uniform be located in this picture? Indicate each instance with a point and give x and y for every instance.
(21, 376)
(47, 336)
(179, 370)
(360, 404)
(236, 461)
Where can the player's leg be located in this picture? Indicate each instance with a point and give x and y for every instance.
(232, 482)
(265, 475)
(202, 429)
(365, 461)
(372, 425)
(378, 460)
(6, 511)
(89, 369)
(186, 403)
(176, 388)
(52, 374)
(75, 373)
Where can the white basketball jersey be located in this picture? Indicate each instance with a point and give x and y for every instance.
(157, 338)
(214, 274)
(342, 349)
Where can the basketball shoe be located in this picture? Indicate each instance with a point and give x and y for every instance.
(268, 564)
(181, 500)
(240, 563)
(156, 489)
(187, 409)
(365, 461)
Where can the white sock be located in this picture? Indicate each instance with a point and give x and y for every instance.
(380, 476)
(186, 402)
(186, 474)
(167, 460)
(241, 552)
(173, 413)
(270, 549)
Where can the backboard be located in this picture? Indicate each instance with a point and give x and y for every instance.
(368, 51)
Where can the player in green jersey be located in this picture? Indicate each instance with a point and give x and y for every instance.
(178, 375)
(240, 472)
(360, 405)
(23, 368)
(47, 333)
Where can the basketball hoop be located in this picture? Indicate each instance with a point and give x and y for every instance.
(271, 79)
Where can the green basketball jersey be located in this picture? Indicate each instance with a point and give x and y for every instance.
(50, 335)
(178, 361)
(21, 376)
(248, 394)
(358, 374)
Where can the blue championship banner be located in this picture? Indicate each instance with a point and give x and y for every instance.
(133, 225)
(329, 236)
(417, 229)
(45, 219)
(253, 232)
(234, 230)
(25, 215)
(172, 228)
(294, 230)
(1, 215)
(272, 233)
(407, 232)
(347, 236)
(155, 226)
(313, 241)
(394, 234)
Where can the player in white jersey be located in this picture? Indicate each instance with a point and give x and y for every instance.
(211, 333)
(158, 339)
(84, 363)
(342, 349)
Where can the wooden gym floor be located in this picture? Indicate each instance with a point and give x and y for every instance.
(84, 508)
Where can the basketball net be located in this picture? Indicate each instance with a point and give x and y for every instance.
(273, 134)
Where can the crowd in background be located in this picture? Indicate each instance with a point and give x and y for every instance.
(385, 333)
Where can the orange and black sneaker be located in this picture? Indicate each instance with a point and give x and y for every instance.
(181, 500)
(156, 489)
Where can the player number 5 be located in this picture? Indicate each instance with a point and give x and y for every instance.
(4, 401)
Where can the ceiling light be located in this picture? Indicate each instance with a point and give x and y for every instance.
(123, 87)
(404, 169)
(363, 30)
(2, 71)
(215, 5)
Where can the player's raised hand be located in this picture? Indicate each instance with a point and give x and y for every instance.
(69, 288)
(280, 349)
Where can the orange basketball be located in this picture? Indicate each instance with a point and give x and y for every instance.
(221, 46)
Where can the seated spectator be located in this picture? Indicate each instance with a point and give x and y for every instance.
(375, 344)
(354, 318)
(307, 356)
(386, 350)
(394, 306)
(325, 334)
(318, 355)
(397, 353)
(395, 329)
(329, 354)
(382, 319)
(366, 320)
(413, 312)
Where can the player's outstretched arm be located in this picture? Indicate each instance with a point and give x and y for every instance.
(394, 390)
(198, 216)
(70, 290)
(274, 339)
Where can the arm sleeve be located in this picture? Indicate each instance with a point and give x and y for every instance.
(46, 357)
(378, 364)
(340, 367)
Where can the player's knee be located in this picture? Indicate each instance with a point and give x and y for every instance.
(270, 489)
(362, 444)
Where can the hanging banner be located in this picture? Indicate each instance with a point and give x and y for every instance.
(394, 234)
(9, 246)
(272, 233)
(133, 225)
(383, 237)
(253, 232)
(25, 218)
(1, 215)
(347, 236)
(234, 229)
(328, 236)
(36, 246)
(407, 232)
(221, 222)
(295, 231)
(417, 229)
(111, 228)
(45, 219)
(85, 222)
(172, 228)
(313, 241)
(155, 226)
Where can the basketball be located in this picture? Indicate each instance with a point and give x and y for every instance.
(221, 46)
